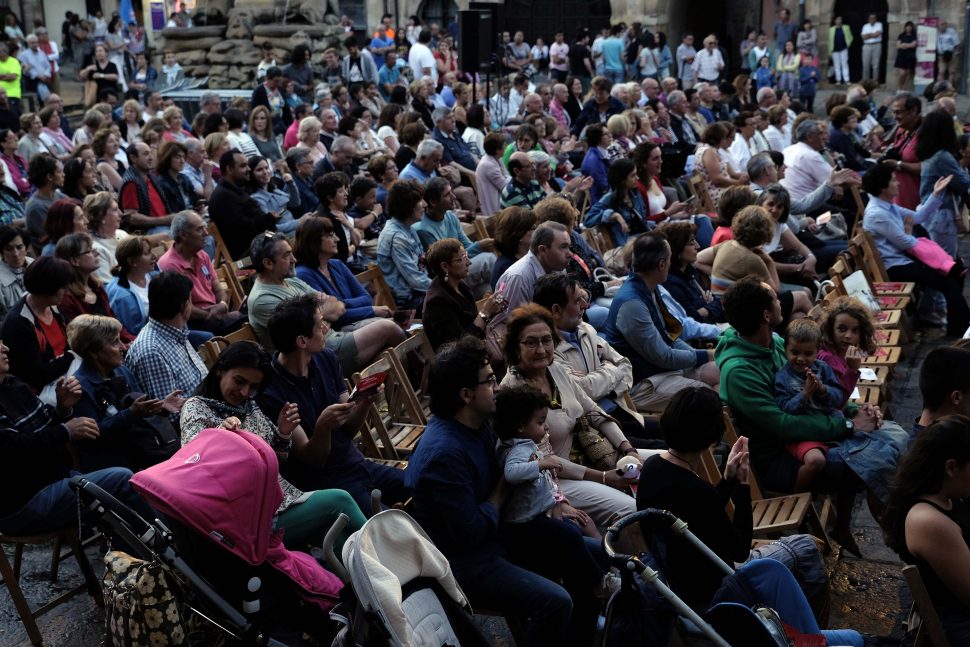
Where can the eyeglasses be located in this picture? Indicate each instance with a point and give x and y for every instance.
(84, 253)
(489, 380)
(532, 343)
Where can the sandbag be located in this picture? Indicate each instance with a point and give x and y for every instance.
(191, 33)
(285, 31)
(193, 57)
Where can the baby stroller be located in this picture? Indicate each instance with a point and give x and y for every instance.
(218, 496)
(646, 610)
(402, 591)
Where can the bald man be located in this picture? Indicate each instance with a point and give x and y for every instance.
(532, 105)
(649, 90)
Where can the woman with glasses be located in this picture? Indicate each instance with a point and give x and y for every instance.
(530, 342)
(84, 294)
(450, 310)
(686, 284)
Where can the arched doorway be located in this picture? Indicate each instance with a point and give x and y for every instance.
(730, 20)
(855, 13)
(546, 17)
(441, 12)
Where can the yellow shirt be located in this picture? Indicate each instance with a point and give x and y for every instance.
(11, 66)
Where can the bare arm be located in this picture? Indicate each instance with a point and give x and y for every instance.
(938, 540)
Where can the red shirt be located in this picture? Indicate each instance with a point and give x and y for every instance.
(199, 271)
(51, 336)
(129, 200)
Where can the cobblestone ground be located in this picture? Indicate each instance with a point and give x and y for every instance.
(868, 595)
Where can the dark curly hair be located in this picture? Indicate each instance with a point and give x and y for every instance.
(520, 319)
(678, 233)
(854, 308)
(514, 407)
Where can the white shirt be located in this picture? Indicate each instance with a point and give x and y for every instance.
(868, 29)
(559, 50)
(706, 64)
(774, 244)
(741, 151)
(807, 170)
(421, 57)
(776, 138)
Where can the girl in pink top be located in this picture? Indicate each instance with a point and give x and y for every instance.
(848, 335)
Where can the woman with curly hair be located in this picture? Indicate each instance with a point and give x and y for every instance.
(512, 235)
(686, 284)
(848, 335)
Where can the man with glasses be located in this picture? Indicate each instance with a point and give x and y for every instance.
(709, 63)
(642, 327)
(458, 490)
(907, 110)
(522, 190)
(198, 168)
(301, 167)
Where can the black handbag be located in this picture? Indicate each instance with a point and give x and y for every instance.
(148, 440)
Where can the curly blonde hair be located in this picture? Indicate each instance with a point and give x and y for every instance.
(753, 226)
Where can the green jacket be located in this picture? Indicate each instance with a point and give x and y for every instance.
(846, 31)
(747, 386)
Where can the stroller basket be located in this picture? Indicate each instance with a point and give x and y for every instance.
(154, 542)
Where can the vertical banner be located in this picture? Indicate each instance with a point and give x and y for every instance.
(158, 15)
(926, 33)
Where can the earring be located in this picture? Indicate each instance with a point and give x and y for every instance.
(446, 276)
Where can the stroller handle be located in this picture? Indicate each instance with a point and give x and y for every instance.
(652, 515)
(138, 526)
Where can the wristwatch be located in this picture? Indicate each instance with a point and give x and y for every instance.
(850, 426)
(899, 164)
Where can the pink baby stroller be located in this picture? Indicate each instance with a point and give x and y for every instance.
(218, 496)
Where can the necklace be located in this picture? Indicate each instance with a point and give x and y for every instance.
(682, 460)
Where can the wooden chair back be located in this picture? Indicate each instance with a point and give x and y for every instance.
(234, 288)
(699, 188)
(210, 350)
(731, 437)
(411, 362)
(389, 429)
(373, 280)
(860, 209)
(870, 262)
(222, 252)
(924, 615)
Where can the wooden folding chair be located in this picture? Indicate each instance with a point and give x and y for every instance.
(210, 350)
(388, 430)
(411, 362)
(867, 258)
(234, 288)
(471, 230)
(222, 252)
(923, 615)
(699, 188)
(860, 209)
(373, 279)
(776, 515)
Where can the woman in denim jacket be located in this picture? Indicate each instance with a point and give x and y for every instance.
(936, 147)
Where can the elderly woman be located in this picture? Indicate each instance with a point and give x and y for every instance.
(112, 397)
(621, 210)
(131, 122)
(550, 184)
(583, 261)
(174, 132)
(105, 146)
(450, 310)
(526, 139)
(712, 168)
(388, 124)
(261, 132)
(65, 216)
(14, 161)
(226, 398)
(308, 137)
(743, 255)
(619, 127)
(531, 338)
(104, 217)
(269, 193)
(686, 284)
(176, 189)
(84, 294)
(34, 140)
(13, 264)
(420, 91)
(400, 254)
(845, 120)
(512, 235)
(61, 143)
(886, 223)
(34, 329)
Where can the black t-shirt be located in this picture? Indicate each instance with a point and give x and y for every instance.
(577, 54)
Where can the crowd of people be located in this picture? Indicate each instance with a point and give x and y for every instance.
(601, 300)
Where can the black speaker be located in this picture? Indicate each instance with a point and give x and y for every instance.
(475, 36)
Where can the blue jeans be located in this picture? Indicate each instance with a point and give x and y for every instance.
(615, 76)
(55, 506)
(495, 582)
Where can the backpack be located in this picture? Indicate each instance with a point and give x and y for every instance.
(142, 603)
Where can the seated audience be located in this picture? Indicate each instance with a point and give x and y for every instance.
(112, 398)
(927, 520)
(685, 283)
(641, 327)
(440, 222)
(269, 193)
(35, 328)
(308, 374)
(139, 196)
(490, 174)
(128, 290)
(370, 326)
(36, 442)
(13, 264)
(65, 216)
(886, 222)
(161, 357)
(806, 168)
(621, 210)
(46, 175)
(178, 193)
(227, 398)
(104, 219)
(333, 192)
(450, 310)
(457, 493)
(400, 254)
(596, 162)
(234, 212)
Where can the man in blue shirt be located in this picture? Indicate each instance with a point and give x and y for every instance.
(301, 167)
(308, 374)
(422, 168)
(455, 148)
(613, 55)
(458, 490)
(380, 45)
(388, 75)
